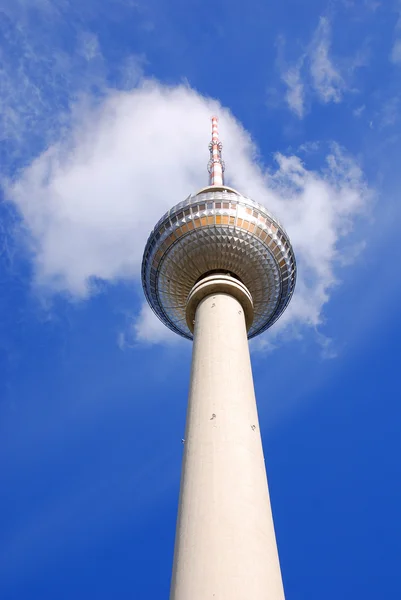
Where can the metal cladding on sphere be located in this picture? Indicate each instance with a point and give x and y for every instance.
(218, 229)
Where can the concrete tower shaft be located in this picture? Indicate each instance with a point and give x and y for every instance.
(225, 541)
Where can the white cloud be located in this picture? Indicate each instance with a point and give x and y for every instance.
(147, 328)
(396, 52)
(88, 46)
(389, 112)
(316, 74)
(357, 112)
(326, 79)
(89, 202)
(295, 95)
(45, 66)
(395, 55)
(369, 5)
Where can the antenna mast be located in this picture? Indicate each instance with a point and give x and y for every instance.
(216, 164)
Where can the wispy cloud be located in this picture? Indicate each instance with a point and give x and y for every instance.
(395, 55)
(357, 112)
(326, 78)
(146, 328)
(316, 73)
(362, 5)
(45, 68)
(389, 112)
(396, 52)
(295, 94)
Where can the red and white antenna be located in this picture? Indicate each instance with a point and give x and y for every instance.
(216, 164)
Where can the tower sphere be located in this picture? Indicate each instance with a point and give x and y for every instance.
(218, 230)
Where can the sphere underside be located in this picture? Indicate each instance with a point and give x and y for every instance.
(218, 229)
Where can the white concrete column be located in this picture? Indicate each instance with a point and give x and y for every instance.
(225, 545)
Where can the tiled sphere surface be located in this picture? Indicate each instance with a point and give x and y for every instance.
(218, 229)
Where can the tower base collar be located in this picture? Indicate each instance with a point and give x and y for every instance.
(219, 283)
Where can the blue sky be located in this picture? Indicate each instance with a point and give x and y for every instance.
(104, 124)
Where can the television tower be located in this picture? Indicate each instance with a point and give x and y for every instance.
(218, 268)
